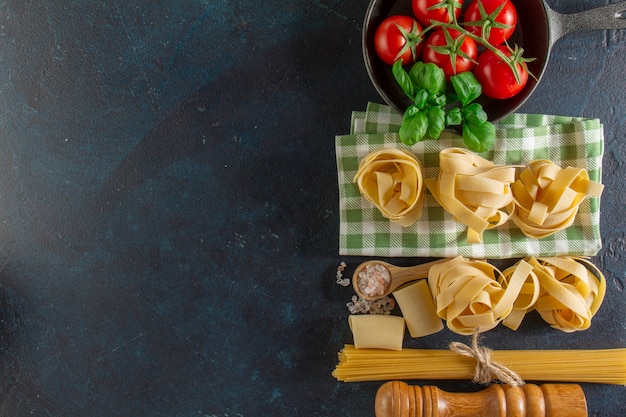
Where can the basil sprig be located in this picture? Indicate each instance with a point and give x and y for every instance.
(432, 110)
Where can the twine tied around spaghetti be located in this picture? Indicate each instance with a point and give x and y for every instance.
(486, 369)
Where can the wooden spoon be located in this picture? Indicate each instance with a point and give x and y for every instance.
(385, 278)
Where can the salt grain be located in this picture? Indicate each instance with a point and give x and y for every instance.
(374, 280)
(381, 306)
(344, 282)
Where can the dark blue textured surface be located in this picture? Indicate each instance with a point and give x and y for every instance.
(168, 205)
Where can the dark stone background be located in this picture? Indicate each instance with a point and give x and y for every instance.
(168, 205)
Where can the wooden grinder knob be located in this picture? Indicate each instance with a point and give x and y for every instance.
(397, 399)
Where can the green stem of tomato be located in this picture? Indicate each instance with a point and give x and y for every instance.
(478, 39)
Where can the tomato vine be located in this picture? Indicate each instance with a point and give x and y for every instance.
(425, 83)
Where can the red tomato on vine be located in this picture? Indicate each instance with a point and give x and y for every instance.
(495, 20)
(497, 77)
(397, 37)
(427, 11)
(451, 51)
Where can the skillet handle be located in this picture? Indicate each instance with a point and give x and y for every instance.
(611, 16)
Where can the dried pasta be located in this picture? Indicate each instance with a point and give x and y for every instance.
(418, 309)
(392, 179)
(527, 296)
(542, 200)
(377, 331)
(474, 190)
(603, 366)
(474, 295)
(547, 197)
(572, 290)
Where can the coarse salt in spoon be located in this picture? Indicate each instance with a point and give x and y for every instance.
(376, 279)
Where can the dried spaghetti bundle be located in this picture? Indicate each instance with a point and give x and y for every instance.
(602, 366)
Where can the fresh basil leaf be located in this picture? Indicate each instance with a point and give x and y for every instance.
(453, 117)
(479, 137)
(414, 127)
(436, 121)
(428, 76)
(421, 98)
(438, 100)
(410, 111)
(466, 87)
(402, 78)
(474, 113)
(415, 73)
(432, 78)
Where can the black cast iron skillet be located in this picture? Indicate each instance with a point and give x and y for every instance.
(538, 29)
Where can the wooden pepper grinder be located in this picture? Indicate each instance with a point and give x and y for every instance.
(397, 399)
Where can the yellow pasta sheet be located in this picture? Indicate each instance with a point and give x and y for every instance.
(418, 309)
(377, 331)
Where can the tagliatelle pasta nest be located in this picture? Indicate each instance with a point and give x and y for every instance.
(572, 290)
(470, 295)
(392, 179)
(474, 190)
(547, 197)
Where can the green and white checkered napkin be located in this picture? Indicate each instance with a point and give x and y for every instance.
(520, 138)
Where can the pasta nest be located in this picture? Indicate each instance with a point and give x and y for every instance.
(547, 197)
(473, 296)
(392, 179)
(474, 190)
(572, 290)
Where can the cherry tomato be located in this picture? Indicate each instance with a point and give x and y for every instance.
(499, 23)
(438, 10)
(452, 52)
(397, 37)
(496, 77)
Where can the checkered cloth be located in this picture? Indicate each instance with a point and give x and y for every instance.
(520, 138)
